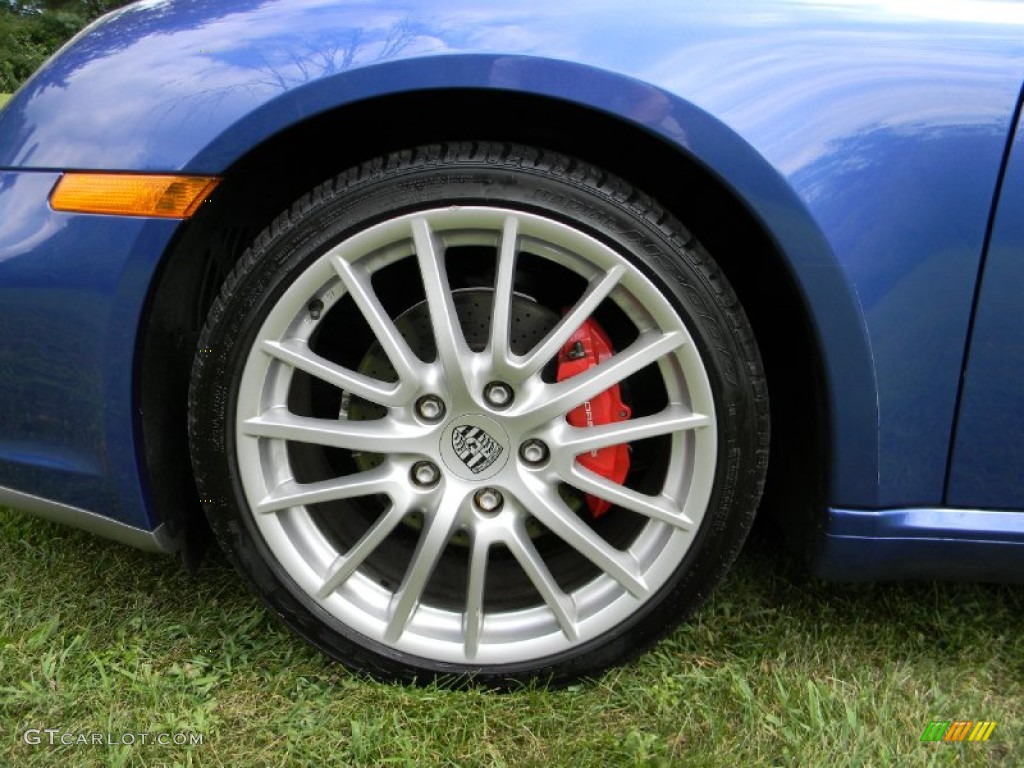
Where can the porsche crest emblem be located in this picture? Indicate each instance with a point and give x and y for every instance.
(475, 448)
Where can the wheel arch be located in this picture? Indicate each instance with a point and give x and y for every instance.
(275, 172)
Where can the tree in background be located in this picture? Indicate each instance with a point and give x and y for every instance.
(31, 30)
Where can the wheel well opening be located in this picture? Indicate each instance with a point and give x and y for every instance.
(276, 173)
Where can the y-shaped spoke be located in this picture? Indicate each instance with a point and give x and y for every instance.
(375, 436)
(297, 353)
(561, 398)
(439, 529)
(672, 419)
(474, 618)
(345, 565)
(452, 350)
(504, 282)
(659, 508)
(291, 494)
(559, 603)
(597, 291)
(357, 282)
(548, 507)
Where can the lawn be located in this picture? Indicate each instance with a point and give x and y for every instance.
(778, 669)
(4, 98)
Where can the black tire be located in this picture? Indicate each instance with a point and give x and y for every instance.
(577, 220)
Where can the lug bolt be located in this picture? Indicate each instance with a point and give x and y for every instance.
(488, 500)
(533, 452)
(425, 474)
(430, 408)
(498, 394)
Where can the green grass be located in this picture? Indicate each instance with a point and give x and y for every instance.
(4, 98)
(777, 669)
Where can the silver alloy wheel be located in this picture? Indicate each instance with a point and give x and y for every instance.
(491, 435)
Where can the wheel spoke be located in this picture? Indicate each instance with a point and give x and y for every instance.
(562, 397)
(358, 284)
(452, 351)
(659, 508)
(298, 354)
(546, 505)
(345, 565)
(378, 436)
(474, 619)
(560, 604)
(672, 419)
(504, 281)
(597, 291)
(433, 540)
(292, 494)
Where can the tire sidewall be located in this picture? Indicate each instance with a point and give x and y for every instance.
(574, 194)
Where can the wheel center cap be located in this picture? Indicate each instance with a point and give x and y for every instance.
(474, 447)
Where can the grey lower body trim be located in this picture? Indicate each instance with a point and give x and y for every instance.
(156, 540)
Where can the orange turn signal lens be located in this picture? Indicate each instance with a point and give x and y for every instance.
(123, 194)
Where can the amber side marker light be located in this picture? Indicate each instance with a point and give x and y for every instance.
(124, 194)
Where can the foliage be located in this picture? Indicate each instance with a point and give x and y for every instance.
(30, 31)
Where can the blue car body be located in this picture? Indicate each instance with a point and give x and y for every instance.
(872, 146)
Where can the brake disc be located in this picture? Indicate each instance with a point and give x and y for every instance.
(531, 322)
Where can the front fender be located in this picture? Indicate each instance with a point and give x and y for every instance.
(867, 143)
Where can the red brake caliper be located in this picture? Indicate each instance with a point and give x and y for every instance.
(585, 349)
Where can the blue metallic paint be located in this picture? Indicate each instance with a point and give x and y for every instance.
(948, 544)
(988, 458)
(867, 140)
(72, 290)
